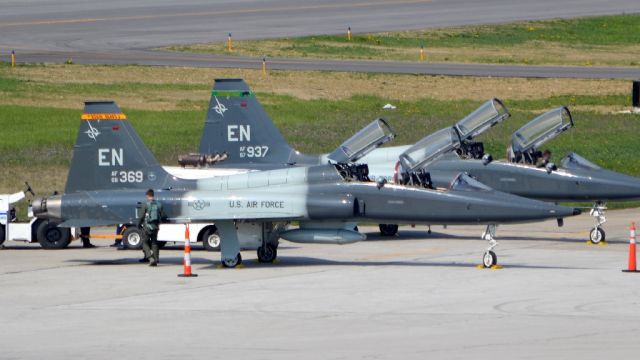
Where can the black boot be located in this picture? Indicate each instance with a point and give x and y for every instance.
(143, 260)
(86, 243)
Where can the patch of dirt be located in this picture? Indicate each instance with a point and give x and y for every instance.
(303, 85)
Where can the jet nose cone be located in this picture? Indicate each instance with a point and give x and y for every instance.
(576, 211)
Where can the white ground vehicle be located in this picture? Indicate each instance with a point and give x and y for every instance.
(207, 233)
(35, 230)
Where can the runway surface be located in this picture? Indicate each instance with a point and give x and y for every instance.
(414, 296)
(118, 32)
(204, 60)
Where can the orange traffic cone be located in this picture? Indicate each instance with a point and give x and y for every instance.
(632, 249)
(187, 254)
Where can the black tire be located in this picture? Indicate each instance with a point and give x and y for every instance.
(597, 235)
(388, 229)
(50, 236)
(211, 239)
(268, 253)
(34, 228)
(132, 238)
(232, 263)
(489, 259)
(3, 235)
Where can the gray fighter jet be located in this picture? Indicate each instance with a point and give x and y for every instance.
(249, 139)
(111, 168)
(528, 173)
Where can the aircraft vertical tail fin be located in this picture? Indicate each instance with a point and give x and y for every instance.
(109, 154)
(237, 125)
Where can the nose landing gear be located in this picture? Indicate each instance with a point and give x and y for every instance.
(597, 234)
(490, 259)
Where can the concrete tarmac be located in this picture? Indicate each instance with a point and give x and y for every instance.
(414, 296)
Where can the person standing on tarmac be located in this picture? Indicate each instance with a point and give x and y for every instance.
(151, 214)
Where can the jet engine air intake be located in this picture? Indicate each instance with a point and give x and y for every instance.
(322, 206)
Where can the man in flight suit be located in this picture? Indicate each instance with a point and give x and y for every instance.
(151, 214)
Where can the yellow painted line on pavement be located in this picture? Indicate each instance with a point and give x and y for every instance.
(212, 13)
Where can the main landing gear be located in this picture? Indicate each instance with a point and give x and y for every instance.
(388, 229)
(597, 234)
(267, 253)
(490, 259)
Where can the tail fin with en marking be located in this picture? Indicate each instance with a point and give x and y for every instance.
(237, 125)
(109, 154)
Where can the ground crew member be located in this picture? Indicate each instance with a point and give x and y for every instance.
(151, 214)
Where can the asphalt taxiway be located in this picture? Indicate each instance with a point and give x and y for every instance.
(125, 32)
(417, 295)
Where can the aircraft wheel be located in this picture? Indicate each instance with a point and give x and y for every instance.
(597, 235)
(489, 259)
(267, 254)
(231, 263)
(2, 234)
(132, 238)
(388, 229)
(50, 236)
(211, 239)
(34, 228)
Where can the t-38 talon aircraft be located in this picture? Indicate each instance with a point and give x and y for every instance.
(249, 126)
(529, 173)
(111, 168)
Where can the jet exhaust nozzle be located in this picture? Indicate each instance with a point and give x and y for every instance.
(47, 208)
(323, 236)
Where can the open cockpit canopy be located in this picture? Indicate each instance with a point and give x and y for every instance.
(486, 116)
(540, 130)
(363, 142)
(429, 149)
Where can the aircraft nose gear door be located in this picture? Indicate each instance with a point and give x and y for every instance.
(490, 258)
(597, 234)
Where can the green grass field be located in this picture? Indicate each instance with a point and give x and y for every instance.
(603, 40)
(40, 113)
